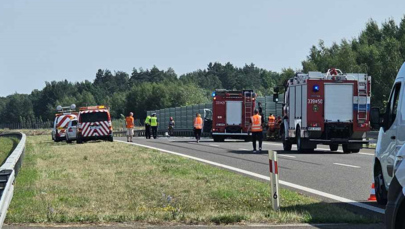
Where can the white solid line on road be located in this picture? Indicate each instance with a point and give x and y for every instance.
(351, 166)
(244, 149)
(285, 183)
(283, 155)
(214, 145)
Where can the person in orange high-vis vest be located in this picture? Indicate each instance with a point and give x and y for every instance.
(257, 130)
(198, 125)
(270, 125)
(129, 121)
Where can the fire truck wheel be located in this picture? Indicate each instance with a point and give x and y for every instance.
(346, 148)
(300, 141)
(355, 150)
(286, 144)
(334, 147)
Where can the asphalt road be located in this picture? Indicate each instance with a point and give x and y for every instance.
(344, 175)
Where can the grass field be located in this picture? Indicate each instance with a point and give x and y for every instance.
(7, 145)
(113, 182)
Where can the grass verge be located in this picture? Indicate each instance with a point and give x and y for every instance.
(105, 182)
(29, 132)
(7, 145)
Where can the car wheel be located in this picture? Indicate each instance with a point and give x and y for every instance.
(286, 144)
(334, 147)
(380, 190)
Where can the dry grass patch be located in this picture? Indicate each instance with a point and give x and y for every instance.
(114, 182)
(7, 145)
(29, 132)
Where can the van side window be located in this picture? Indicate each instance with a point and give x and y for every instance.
(392, 107)
(74, 123)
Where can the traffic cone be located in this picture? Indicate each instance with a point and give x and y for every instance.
(372, 193)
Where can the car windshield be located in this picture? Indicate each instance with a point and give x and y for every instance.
(94, 117)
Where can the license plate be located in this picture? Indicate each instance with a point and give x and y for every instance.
(94, 127)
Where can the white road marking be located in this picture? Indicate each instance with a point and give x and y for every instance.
(283, 155)
(285, 183)
(244, 149)
(369, 154)
(214, 145)
(351, 166)
(318, 148)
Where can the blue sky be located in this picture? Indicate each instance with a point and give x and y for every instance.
(55, 40)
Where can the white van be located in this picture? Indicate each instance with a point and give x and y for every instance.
(391, 136)
(395, 210)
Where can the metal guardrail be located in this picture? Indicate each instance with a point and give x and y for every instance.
(8, 172)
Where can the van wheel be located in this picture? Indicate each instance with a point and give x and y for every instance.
(111, 138)
(400, 222)
(380, 190)
(333, 147)
(286, 144)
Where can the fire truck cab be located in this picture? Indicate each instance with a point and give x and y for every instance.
(231, 113)
(329, 109)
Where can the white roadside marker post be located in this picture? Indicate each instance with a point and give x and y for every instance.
(275, 196)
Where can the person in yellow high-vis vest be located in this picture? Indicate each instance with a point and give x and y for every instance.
(154, 124)
(257, 130)
(147, 127)
(198, 125)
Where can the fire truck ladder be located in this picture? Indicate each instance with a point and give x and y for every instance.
(248, 99)
(362, 98)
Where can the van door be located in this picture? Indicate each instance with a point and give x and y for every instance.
(388, 141)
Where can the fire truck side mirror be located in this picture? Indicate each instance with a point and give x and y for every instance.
(375, 118)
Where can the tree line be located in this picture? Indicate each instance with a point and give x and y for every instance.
(139, 91)
(378, 51)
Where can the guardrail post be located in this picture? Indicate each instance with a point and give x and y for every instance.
(275, 195)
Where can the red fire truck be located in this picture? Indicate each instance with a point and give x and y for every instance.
(330, 109)
(231, 112)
